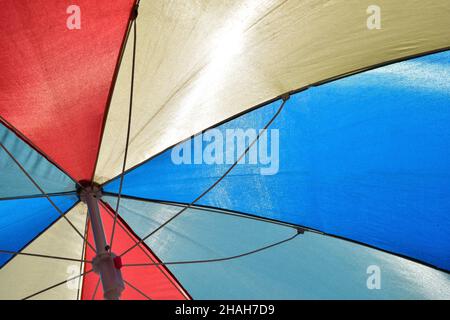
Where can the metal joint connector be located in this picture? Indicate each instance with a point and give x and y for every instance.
(135, 12)
(285, 96)
(88, 188)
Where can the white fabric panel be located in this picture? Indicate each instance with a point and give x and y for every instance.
(200, 62)
(25, 275)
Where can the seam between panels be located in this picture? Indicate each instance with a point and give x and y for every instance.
(165, 271)
(280, 97)
(217, 210)
(285, 224)
(113, 83)
(34, 147)
(41, 233)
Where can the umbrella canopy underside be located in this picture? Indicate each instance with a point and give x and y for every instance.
(360, 176)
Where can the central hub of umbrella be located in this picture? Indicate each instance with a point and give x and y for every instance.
(106, 264)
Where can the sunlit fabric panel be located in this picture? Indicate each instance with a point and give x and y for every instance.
(14, 183)
(23, 220)
(311, 266)
(26, 275)
(143, 282)
(200, 62)
(57, 65)
(365, 158)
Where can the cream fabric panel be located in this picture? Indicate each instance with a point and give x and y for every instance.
(25, 275)
(200, 62)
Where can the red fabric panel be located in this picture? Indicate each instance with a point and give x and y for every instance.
(55, 82)
(155, 281)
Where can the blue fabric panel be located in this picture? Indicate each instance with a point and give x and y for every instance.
(161, 179)
(365, 158)
(310, 267)
(22, 220)
(14, 183)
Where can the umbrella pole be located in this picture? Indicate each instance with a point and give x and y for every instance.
(104, 262)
